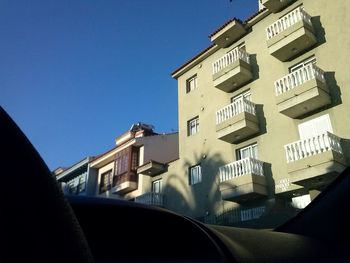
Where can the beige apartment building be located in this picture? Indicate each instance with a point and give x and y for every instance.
(263, 115)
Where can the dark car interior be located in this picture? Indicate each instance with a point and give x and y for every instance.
(40, 224)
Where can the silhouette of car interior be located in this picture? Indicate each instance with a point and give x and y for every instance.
(40, 224)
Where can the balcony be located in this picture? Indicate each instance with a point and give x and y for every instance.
(151, 168)
(236, 121)
(290, 35)
(314, 162)
(155, 199)
(242, 180)
(302, 91)
(124, 183)
(232, 70)
(228, 33)
(276, 5)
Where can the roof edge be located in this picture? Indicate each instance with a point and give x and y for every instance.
(201, 55)
(247, 23)
(73, 167)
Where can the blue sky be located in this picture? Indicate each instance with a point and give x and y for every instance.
(76, 74)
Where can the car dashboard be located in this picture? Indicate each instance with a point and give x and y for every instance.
(122, 231)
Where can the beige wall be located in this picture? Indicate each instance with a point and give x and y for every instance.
(161, 148)
(330, 20)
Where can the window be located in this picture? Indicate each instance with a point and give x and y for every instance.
(77, 185)
(246, 95)
(134, 159)
(106, 181)
(126, 160)
(195, 174)
(248, 151)
(191, 84)
(157, 186)
(193, 126)
(314, 127)
(304, 63)
(121, 162)
(73, 186)
(301, 202)
(82, 183)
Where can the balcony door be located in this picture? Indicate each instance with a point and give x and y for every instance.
(249, 151)
(314, 127)
(157, 190)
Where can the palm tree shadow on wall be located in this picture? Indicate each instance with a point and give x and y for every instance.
(203, 201)
(198, 199)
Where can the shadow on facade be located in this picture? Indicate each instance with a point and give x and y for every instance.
(203, 201)
(334, 89)
(261, 118)
(254, 66)
(319, 30)
(198, 199)
(345, 143)
(270, 182)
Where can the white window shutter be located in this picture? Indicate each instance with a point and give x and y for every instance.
(315, 126)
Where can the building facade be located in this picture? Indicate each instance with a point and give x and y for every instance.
(262, 115)
(131, 169)
(79, 179)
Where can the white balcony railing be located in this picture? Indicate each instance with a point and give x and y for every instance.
(229, 58)
(233, 109)
(241, 167)
(286, 21)
(312, 146)
(151, 198)
(298, 77)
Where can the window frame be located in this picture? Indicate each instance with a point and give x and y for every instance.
(303, 63)
(195, 130)
(81, 183)
(104, 188)
(157, 186)
(251, 151)
(195, 178)
(77, 185)
(126, 160)
(313, 126)
(189, 88)
(246, 95)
